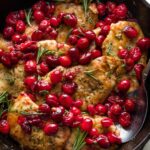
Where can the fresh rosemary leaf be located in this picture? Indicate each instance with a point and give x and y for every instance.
(109, 50)
(30, 113)
(28, 15)
(86, 4)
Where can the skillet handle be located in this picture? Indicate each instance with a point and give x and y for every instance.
(146, 71)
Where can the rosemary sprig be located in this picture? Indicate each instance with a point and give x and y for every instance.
(30, 113)
(109, 50)
(86, 4)
(79, 142)
(28, 15)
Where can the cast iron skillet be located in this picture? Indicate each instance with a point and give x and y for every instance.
(140, 10)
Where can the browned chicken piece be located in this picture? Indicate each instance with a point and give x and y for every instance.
(4, 44)
(95, 81)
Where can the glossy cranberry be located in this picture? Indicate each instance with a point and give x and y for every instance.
(129, 64)
(110, 19)
(16, 38)
(77, 120)
(40, 5)
(143, 43)
(90, 35)
(100, 109)
(52, 100)
(66, 100)
(116, 109)
(72, 39)
(94, 133)
(32, 97)
(115, 100)
(44, 108)
(103, 141)
(37, 35)
(38, 15)
(52, 61)
(138, 68)
(100, 24)
(29, 81)
(68, 119)
(15, 56)
(125, 119)
(123, 53)
(78, 103)
(69, 76)
(8, 32)
(50, 8)
(28, 56)
(129, 105)
(121, 11)
(101, 9)
(96, 53)
(48, 30)
(21, 14)
(70, 20)
(107, 105)
(89, 141)
(135, 54)
(4, 127)
(43, 86)
(34, 120)
(20, 26)
(50, 129)
(91, 110)
(124, 85)
(53, 34)
(60, 17)
(30, 66)
(21, 120)
(44, 69)
(69, 88)
(86, 124)
(56, 76)
(106, 122)
(105, 30)
(74, 54)
(110, 7)
(112, 116)
(76, 31)
(65, 61)
(12, 18)
(85, 58)
(83, 43)
(99, 40)
(76, 111)
(44, 24)
(54, 22)
(130, 32)
(6, 60)
(113, 139)
(26, 127)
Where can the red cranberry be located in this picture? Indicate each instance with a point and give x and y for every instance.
(69, 88)
(72, 39)
(26, 127)
(114, 139)
(101, 9)
(1, 52)
(44, 69)
(50, 8)
(4, 127)
(110, 19)
(123, 53)
(100, 24)
(43, 86)
(75, 111)
(30, 66)
(110, 7)
(15, 56)
(69, 76)
(21, 14)
(34, 121)
(85, 58)
(105, 30)
(52, 61)
(91, 110)
(90, 35)
(38, 15)
(70, 20)
(32, 97)
(129, 64)
(53, 34)
(76, 32)
(12, 18)
(129, 105)
(96, 53)
(43, 25)
(56, 76)
(74, 54)
(68, 119)
(89, 141)
(65, 61)
(94, 133)
(112, 116)
(48, 30)
(107, 105)
(86, 124)
(40, 5)
(21, 120)
(37, 35)
(77, 120)
(65, 100)
(29, 81)
(130, 32)
(78, 103)
(50, 129)
(103, 141)
(44, 108)
(135, 54)
(99, 40)
(138, 68)
(20, 26)
(106, 122)
(52, 100)
(16, 38)
(115, 100)
(124, 85)
(54, 22)
(100, 109)
(8, 32)
(116, 109)
(83, 43)
(6, 60)
(144, 43)
(125, 119)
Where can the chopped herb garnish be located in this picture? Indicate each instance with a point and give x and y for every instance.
(90, 20)
(28, 14)
(109, 49)
(44, 92)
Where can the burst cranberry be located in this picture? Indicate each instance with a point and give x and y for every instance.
(72, 39)
(37, 35)
(99, 40)
(26, 127)
(114, 139)
(20, 26)
(100, 24)
(89, 141)
(130, 32)
(43, 25)
(50, 129)
(43, 86)
(56, 76)
(144, 43)
(74, 54)
(101, 9)
(4, 127)
(53, 34)
(38, 15)
(21, 14)
(103, 141)
(91, 110)
(69, 88)
(105, 30)
(8, 32)
(110, 7)
(106, 122)
(65, 100)
(125, 119)
(30, 66)
(54, 22)
(100, 109)
(138, 68)
(68, 119)
(121, 11)
(116, 109)
(83, 43)
(6, 60)
(96, 53)
(65, 61)
(52, 100)
(70, 20)
(29, 81)
(85, 58)
(129, 105)
(94, 133)
(135, 54)
(90, 35)
(44, 69)
(44, 108)
(123, 53)
(124, 85)
(52, 61)
(86, 124)
(12, 18)
(78, 103)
